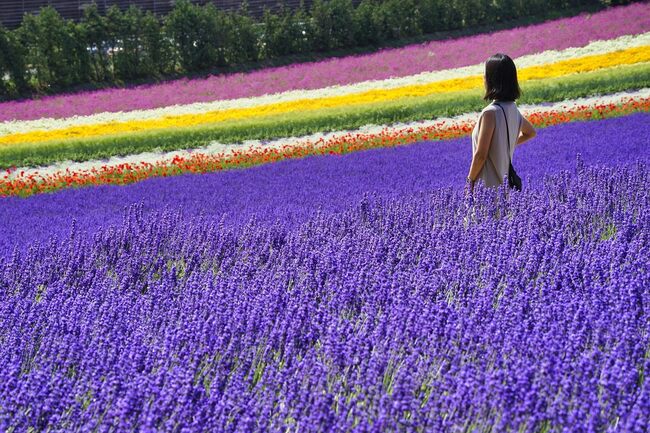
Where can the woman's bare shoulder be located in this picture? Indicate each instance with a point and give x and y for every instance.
(487, 116)
(489, 111)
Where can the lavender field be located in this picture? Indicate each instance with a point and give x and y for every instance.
(526, 312)
(290, 191)
(296, 249)
(363, 293)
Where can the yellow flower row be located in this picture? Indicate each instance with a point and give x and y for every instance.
(558, 69)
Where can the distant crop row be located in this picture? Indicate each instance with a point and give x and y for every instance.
(327, 119)
(25, 182)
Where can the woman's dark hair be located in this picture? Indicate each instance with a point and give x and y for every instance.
(501, 79)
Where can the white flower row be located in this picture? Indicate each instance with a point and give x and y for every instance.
(543, 58)
(215, 148)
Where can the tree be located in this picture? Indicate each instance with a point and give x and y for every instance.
(52, 51)
(95, 30)
(12, 65)
(197, 36)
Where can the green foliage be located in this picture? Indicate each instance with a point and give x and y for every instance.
(399, 19)
(474, 12)
(198, 36)
(368, 23)
(127, 30)
(332, 24)
(156, 54)
(308, 122)
(137, 47)
(432, 16)
(608, 232)
(283, 33)
(94, 29)
(242, 36)
(12, 65)
(275, 39)
(53, 49)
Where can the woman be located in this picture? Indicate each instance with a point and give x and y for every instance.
(500, 126)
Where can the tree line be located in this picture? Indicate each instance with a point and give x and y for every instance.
(47, 53)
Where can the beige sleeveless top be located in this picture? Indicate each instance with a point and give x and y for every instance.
(496, 165)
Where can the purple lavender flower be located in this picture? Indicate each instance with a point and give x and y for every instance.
(515, 311)
(292, 190)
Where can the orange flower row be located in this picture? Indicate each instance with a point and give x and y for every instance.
(21, 184)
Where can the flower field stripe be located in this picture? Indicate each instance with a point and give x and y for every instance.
(540, 59)
(291, 189)
(559, 69)
(218, 157)
(600, 82)
(347, 313)
(411, 60)
(444, 123)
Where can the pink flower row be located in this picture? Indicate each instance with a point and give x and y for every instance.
(436, 55)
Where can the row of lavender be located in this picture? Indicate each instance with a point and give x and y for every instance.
(436, 312)
(291, 190)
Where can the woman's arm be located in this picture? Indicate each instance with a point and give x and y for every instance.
(527, 131)
(486, 126)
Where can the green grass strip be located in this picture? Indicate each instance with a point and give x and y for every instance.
(600, 82)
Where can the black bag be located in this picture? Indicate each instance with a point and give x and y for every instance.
(514, 181)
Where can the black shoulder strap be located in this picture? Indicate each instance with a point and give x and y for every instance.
(507, 129)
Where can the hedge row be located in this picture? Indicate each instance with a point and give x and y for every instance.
(47, 53)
